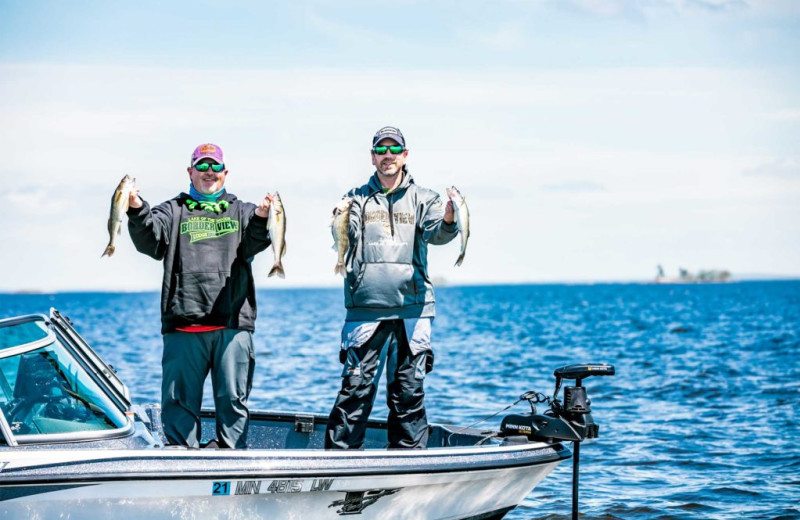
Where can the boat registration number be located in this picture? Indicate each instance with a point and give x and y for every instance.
(258, 487)
(221, 488)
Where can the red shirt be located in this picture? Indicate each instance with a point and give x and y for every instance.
(200, 328)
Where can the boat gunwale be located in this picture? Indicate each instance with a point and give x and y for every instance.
(490, 462)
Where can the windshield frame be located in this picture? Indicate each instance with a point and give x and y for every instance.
(30, 346)
(12, 439)
(105, 373)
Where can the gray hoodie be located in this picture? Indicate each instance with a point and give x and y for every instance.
(387, 276)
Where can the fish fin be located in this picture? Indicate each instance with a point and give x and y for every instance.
(109, 251)
(277, 269)
(460, 259)
(283, 249)
(340, 269)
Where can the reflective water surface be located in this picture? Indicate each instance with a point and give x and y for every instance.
(699, 422)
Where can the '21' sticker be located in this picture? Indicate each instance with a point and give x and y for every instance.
(221, 488)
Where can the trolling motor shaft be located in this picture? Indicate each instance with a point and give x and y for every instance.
(568, 421)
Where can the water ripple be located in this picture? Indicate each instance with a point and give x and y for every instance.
(699, 422)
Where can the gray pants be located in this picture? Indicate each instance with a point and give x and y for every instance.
(188, 357)
(408, 424)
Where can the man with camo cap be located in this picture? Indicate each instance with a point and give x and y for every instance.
(389, 298)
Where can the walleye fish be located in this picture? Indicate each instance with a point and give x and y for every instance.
(340, 224)
(462, 219)
(119, 206)
(277, 234)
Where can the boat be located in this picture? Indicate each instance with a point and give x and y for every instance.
(74, 445)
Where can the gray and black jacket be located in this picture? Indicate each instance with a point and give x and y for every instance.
(387, 276)
(207, 256)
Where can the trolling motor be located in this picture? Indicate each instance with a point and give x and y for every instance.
(568, 421)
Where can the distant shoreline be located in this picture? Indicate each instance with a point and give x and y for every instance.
(440, 284)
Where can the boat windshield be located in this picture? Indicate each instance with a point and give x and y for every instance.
(44, 390)
(22, 334)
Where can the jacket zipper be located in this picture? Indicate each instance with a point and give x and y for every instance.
(391, 214)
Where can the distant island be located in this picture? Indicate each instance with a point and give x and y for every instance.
(702, 276)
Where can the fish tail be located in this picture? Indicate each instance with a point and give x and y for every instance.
(340, 269)
(277, 269)
(109, 251)
(460, 258)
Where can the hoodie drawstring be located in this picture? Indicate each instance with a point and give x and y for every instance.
(390, 197)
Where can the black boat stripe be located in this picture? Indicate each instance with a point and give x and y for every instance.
(491, 515)
(9, 493)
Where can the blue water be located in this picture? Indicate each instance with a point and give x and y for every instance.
(699, 422)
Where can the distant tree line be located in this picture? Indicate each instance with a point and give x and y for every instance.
(704, 275)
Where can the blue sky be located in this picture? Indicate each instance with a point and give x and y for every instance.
(407, 34)
(593, 139)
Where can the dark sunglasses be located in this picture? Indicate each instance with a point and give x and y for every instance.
(381, 150)
(203, 167)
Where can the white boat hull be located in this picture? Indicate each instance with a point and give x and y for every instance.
(73, 446)
(430, 496)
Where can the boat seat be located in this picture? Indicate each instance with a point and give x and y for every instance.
(37, 383)
(37, 379)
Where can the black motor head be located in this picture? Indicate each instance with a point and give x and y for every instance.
(584, 370)
(570, 421)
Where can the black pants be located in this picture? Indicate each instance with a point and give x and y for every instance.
(405, 373)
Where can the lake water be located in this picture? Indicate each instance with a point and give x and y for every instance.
(699, 422)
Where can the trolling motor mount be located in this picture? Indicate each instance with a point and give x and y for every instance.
(568, 421)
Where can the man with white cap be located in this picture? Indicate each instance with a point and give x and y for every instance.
(206, 239)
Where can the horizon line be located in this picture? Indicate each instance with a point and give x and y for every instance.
(745, 279)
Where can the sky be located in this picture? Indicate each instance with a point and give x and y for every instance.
(593, 139)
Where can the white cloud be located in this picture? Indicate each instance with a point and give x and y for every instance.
(605, 7)
(574, 186)
(786, 115)
(344, 32)
(639, 166)
(653, 8)
(788, 167)
(508, 37)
